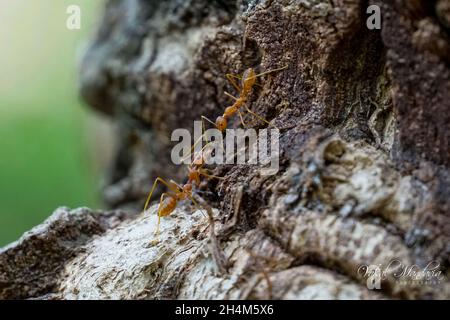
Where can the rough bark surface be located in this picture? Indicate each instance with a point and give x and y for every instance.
(365, 155)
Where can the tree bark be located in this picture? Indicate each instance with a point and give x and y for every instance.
(364, 174)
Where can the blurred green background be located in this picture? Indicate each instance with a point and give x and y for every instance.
(45, 157)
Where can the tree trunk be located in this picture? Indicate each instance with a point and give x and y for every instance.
(364, 176)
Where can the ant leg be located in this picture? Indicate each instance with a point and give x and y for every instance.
(204, 127)
(200, 138)
(209, 120)
(158, 179)
(159, 216)
(159, 211)
(202, 154)
(229, 75)
(230, 95)
(177, 184)
(203, 172)
(231, 78)
(242, 119)
(256, 115)
(270, 71)
(193, 147)
(250, 123)
(150, 194)
(196, 205)
(267, 72)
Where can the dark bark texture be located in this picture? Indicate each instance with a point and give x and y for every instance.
(364, 173)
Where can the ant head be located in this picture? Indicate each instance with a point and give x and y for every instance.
(221, 123)
(248, 79)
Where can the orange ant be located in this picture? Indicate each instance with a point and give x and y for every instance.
(248, 80)
(169, 200)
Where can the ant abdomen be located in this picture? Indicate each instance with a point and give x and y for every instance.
(167, 206)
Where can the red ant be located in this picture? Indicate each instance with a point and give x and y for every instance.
(248, 80)
(169, 200)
